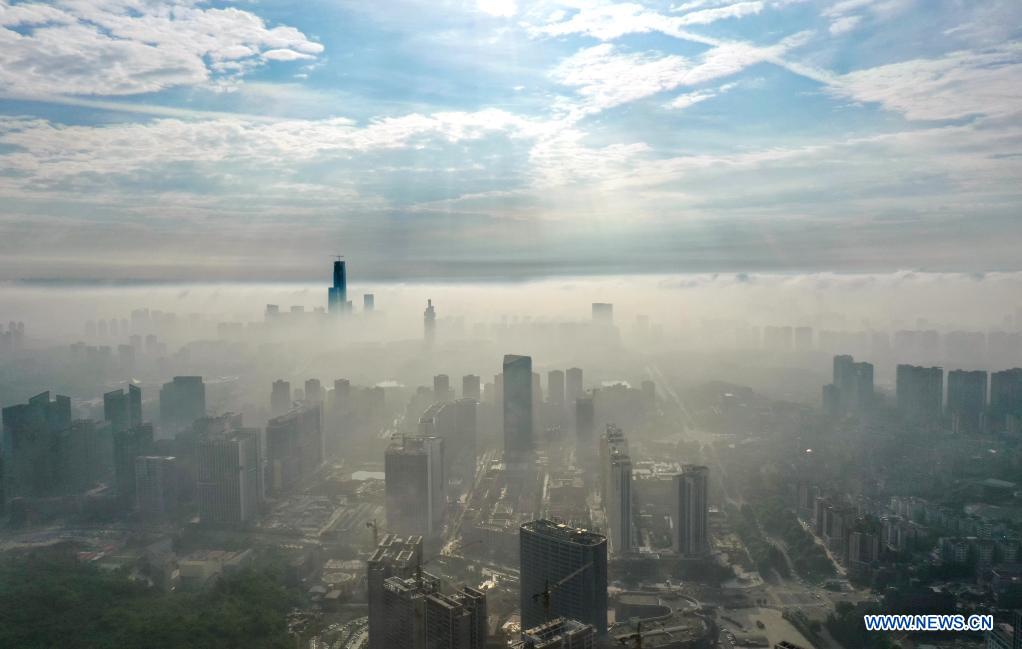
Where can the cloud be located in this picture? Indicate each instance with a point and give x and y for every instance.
(690, 99)
(500, 8)
(127, 47)
(953, 86)
(844, 24)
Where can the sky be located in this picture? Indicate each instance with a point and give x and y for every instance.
(503, 139)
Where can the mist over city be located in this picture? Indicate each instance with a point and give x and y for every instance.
(507, 324)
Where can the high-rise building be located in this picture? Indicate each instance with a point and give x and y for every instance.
(429, 323)
(123, 410)
(457, 423)
(563, 574)
(585, 429)
(803, 338)
(368, 303)
(920, 392)
(1006, 399)
(129, 444)
(691, 511)
(649, 394)
(560, 633)
(518, 439)
(280, 397)
(314, 392)
(573, 385)
(616, 489)
(36, 452)
(395, 556)
(555, 387)
(294, 447)
(228, 479)
(966, 400)
(853, 383)
(337, 295)
(415, 486)
(442, 388)
(419, 614)
(156, 487)
(182, 402)
(470, 387)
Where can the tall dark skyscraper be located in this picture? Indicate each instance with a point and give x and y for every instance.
(35, 459)
(966, 400)
(123, 410)
(337, 295)
(518, 439)
(429, 323)
(616, 489)
(182, 402)
(691, 511)
(920, 392)
(572, 563)
(1006, 399)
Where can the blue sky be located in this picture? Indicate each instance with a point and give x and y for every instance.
(484, 139)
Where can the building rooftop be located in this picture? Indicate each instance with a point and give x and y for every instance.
(563, 531)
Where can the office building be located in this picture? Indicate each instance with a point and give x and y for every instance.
(920, 392)
(563, 573)
(415, 486)
(294, 447)
(280, 397)
(123, 410)
(182, 402)
(560, 633)
(853, 386)
(337, 295)
(129, 444)
(517, 400)
(691, 511)
(470, 387)
(555, 387)
(585, 429)
(156, 487)
(429, 323)
(573, 385)
(616, 489)
(368, 303)
(229, 477)
(395, 556)
(457, 423)
(966, 400)
(35, 446)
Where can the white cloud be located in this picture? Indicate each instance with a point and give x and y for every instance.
(953, 86)
(500, 8)
(124, 47)
(844, 24)
(692, 98)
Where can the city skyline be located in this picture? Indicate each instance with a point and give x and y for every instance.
(520, 139)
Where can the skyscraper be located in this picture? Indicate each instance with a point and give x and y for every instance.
(573, 385)
(415, 486)
(129, 444)
(395, 556)
(368, 303)
(419, 614)
(518, 441)
(228, 479)
(616, 489)
(555, 387)
(156, 487)
(1006, 399)
(123, 411)
(294, 446)
(691, 508)
(35, 447)
(337, 295)
(442, 388)
(182, 402)
(280, 397)
(966, 400)
(603, 313)
(585, 429)
(314, 392)
(429, 323)
(920, 392)
(563, 573)
(470, 387)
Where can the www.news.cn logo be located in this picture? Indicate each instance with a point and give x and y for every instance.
(928, 622)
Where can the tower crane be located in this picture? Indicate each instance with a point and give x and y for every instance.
(549, 589)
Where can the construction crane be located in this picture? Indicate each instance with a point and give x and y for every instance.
(421, 563)
(548, 590)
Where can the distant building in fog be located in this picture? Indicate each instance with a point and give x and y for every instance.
(280, 398)
(368, 303)
(920, 392)
(337, 295)
(603, 313)
(415, 486)
(470, 387)
(156, 487)
(228, 480)
(966, 400)
(691, 511)
(182, 402)
(555, 387)
(1006, 400)
(517, 400)
(616, 489)
(573, 389)
(429, 323)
